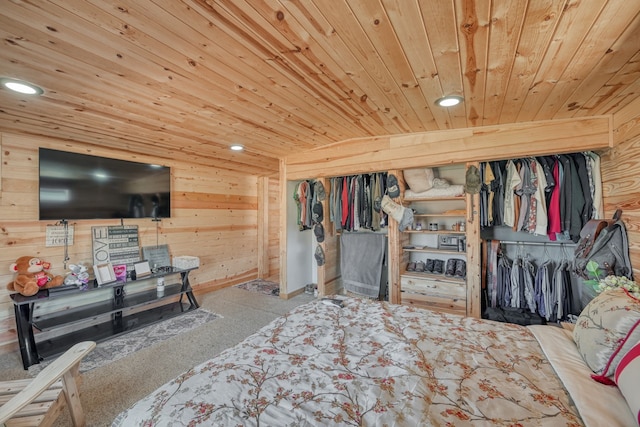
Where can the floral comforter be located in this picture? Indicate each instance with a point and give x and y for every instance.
(367, 364)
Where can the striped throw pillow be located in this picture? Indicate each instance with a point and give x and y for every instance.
(627, 377)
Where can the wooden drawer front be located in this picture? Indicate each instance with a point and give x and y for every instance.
(446, 305)
(434, 286)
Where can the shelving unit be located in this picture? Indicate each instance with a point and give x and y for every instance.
(51, 322)
(438, 291)
(435, 291)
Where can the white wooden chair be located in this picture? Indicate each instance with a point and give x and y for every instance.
(38, 401)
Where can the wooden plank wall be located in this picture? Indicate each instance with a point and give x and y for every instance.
(430, 149)
(273, 243)
(214, 217)
(621, 176)
(451, 147)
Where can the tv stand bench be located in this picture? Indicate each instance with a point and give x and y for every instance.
(52, 321)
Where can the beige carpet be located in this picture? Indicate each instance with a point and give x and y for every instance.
(108, 390)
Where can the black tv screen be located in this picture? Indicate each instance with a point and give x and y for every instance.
(80, 186)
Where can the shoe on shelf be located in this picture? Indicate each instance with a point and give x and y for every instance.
(411, 266)
(438, 266)
(461, 268)
(429, 266)
(419, 266)
(451, 267)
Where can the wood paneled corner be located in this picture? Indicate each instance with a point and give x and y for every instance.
(214, 217)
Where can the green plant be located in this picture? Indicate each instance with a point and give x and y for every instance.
(609, 282)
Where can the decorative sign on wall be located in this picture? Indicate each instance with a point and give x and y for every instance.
(158, 256)
(56, 235)
(116, 244)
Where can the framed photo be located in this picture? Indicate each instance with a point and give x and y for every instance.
(104, 273)
(158, 256)
(142, 269)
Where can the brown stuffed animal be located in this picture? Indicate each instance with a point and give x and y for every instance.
(32, 275)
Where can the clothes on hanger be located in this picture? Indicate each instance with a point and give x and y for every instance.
(520, 284)
(545, 195)
(303, 195)
(356, 202)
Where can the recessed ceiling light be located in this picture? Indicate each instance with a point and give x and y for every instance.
(449, 101)
(21, 86)
(237, 147)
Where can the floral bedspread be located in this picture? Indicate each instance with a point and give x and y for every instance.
(367, 364)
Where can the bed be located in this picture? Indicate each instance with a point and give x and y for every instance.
(372, 363)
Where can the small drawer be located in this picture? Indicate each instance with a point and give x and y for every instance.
(446, 305)
(435, 286)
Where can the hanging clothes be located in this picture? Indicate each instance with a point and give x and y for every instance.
(303, 195)
(498, 190)
(596, 175)
(356, 202)
(553, 210)
(538, 224)
(512, 182)
(528, 285)
(492, 273)
(376, 196)
(504, 287)
(543, 288)
(517, 278)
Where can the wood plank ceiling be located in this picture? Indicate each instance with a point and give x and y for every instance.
(187, 78)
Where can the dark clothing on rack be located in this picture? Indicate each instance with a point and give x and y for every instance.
(544, 291)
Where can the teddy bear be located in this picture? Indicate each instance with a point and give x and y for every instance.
(32, 275)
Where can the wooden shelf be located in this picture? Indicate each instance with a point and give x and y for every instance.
(436, 199)
(435, 232)
(427, 275)
(54, 346)
(452, 215)
(434, 250)
(81, 314)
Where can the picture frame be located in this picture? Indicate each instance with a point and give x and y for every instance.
(142, 269)
(157, 256)
(104, 273)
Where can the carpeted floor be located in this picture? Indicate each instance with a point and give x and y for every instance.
(108, 390)
(260, 285)
(121, 346)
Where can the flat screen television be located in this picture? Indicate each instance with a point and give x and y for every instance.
(80, 186)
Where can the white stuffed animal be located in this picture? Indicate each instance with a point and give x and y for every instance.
(78, 275)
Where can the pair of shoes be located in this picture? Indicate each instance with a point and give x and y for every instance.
(438, 266)
(411, 266)
(429, 265)
(450, 271)
(420, 266)
(461, 268)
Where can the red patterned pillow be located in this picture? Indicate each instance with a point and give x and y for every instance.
(627, 376)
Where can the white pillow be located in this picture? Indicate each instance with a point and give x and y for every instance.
(419, 180)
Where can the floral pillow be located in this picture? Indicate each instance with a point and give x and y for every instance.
(606, 329)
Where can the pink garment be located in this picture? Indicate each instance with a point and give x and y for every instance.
(554, 204)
